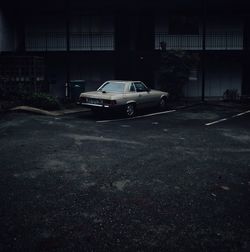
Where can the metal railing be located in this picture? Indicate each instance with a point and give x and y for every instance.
(214, 41)
(45, 41)
(92, 41)
(225, 41)
(185, 42)
(56, 41)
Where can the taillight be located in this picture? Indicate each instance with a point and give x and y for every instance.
(109, 102)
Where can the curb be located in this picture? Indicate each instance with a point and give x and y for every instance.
(187, 106)
(72, 111)
(48, 113)
(228, 105)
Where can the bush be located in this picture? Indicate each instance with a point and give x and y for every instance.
(231, 95)
(40, 100)
(174, 71)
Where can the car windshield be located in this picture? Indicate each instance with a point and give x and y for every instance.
(114, 87)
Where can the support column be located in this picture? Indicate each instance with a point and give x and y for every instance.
(246, 58)
(203, 53)
(67, 14)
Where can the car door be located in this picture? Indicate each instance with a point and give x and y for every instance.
(144, 97)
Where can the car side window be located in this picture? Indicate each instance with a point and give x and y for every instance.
(132, 87)
(140, 87)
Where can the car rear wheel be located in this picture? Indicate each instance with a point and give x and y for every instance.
(130, 110)
(163, 103)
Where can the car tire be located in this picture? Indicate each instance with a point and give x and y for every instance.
(163, 103)
(130, 110)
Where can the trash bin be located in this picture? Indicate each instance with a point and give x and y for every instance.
(75, 88)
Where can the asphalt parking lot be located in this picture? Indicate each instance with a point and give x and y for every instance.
(173, 181)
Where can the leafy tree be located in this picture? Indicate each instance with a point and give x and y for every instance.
(174, 71)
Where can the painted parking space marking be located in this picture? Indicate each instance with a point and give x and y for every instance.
(136, 117)
(227, 118)
(240, 114)
(218, 121)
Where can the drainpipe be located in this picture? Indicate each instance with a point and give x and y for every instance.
(203, 53)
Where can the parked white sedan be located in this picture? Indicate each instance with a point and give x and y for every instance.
(127, 96)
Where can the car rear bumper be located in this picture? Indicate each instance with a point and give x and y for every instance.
(101, 106)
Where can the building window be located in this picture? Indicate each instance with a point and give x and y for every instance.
(45, 33)
(183, 25)
(89, 33)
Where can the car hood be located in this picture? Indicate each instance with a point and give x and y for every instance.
(101, 95)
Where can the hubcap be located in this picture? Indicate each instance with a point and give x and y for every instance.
(130, 110)
(162, 103)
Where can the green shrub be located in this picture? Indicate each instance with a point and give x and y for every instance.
(174, 70)
(231, 95)
(40, 100)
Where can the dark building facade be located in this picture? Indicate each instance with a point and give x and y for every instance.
(95, 41)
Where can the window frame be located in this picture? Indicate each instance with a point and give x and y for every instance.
(146, 88)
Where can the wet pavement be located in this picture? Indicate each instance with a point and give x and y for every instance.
(166, 182)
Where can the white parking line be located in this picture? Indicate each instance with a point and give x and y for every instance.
(240, 114)
(142, 116)
(225, 119)
(221, 120)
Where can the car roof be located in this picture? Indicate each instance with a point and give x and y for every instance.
(126, 81)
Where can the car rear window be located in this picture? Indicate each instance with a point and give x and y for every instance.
(115, 87)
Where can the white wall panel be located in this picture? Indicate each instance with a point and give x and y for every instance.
(193, 87)
(222, 74)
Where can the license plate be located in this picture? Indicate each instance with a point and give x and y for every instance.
(94, 101)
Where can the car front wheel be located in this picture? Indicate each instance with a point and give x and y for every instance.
(130, 109)
(163, 103)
